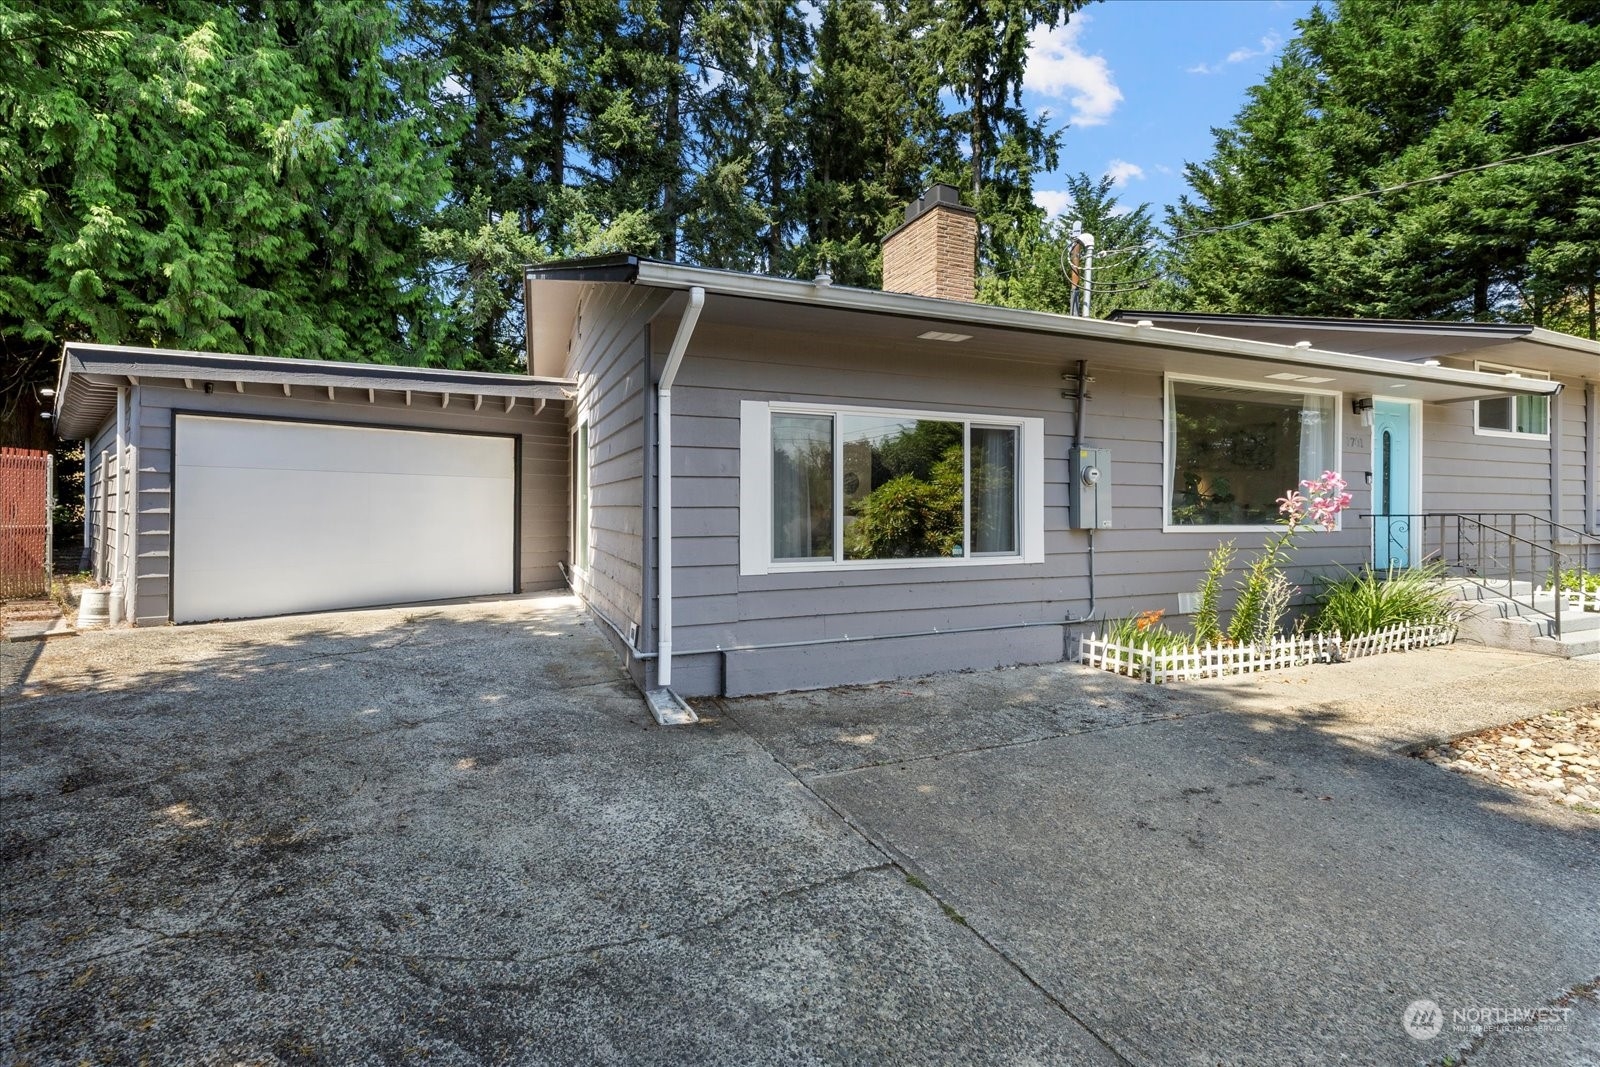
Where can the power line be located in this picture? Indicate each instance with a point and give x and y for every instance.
(1287, 212)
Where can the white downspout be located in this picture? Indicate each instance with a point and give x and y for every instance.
(669, 373)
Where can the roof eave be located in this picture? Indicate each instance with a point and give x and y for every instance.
(906, 305)
(91, 373)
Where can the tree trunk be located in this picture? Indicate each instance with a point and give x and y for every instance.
(1480, 297)
(669, 182)
(560, 103)
(1594, 279)
(775, 153)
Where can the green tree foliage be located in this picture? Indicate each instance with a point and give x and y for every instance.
(250, 178)
(1377, 93)
(876, 134)
(1127, 270)
(981, 48)
(913, 515)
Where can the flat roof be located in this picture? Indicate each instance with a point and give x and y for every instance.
(90, 375)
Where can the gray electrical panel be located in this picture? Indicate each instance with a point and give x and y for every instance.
(1090, 497)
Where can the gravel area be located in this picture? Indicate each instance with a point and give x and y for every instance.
(1554, 756)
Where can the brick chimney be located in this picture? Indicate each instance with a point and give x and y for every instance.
(935, 251)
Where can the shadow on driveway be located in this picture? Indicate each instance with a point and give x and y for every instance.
(1241, 872)
(448, 834)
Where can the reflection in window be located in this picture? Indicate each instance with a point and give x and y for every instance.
(1236, 450)
(903, 486)
(802, 486)
(853, 485)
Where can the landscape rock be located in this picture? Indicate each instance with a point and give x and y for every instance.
(1555, 757)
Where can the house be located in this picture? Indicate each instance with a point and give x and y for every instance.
(759, 484)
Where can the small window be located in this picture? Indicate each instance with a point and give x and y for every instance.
(580, 497)
(1514, 416)
(802, 487)
(845, 487)
(1233, 449)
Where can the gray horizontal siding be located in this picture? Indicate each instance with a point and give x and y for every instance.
(542, 517)
(608, 358)
(1464, 471)
(1138, 566)
(102, 499)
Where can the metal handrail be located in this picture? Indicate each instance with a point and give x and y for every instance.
(1470, 529)
(1582, 537)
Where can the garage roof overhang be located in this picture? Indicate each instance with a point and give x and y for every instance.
(897, 321)
(91, 374)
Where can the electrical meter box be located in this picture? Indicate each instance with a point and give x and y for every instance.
(1090, 497)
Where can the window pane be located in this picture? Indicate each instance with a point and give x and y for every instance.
(1235, 451)
(1533, 414)
(1495, 414)
(903, 484)
(994, 489)
(802, 486)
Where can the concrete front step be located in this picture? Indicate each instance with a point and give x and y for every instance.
(1499, 622)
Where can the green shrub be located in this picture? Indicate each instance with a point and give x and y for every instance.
(1208, 617)
(1371, 600)
(1589, 582)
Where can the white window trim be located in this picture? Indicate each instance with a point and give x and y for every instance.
(755, 490)
(1521, 372)
(1168, 461)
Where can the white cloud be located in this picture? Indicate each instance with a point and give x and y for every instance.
(1054, 201)
(1060, 69)
(1268, 45)
(1120, 171)
(1162, 168)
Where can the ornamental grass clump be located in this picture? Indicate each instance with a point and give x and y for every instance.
(1367, 601)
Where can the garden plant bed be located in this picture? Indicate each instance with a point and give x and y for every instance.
(1555, 756)
(1155, 665)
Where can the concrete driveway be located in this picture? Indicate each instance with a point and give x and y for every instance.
(451, 834)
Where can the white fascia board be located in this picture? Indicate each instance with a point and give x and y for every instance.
(845, 298)
(1555, 339)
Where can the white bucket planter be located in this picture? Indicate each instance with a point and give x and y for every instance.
(94, 608)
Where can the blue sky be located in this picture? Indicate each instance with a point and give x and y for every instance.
(1141, 82)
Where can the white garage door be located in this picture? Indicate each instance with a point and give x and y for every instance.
(279, 517)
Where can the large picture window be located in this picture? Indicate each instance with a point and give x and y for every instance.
(825, 487)
(1514, 416)
(1234, 449)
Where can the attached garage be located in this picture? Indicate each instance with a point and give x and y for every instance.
(231, 487)
(272, 517)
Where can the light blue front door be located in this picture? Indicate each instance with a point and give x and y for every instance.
(1391, 485)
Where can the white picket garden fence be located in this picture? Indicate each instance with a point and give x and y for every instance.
(1582, 599)
(1211, 661)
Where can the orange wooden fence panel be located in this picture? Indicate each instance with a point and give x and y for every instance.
(24, 522)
